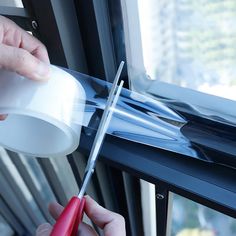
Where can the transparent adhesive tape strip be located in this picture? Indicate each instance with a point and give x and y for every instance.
(136, 117)
(45, 118)
(155, 122)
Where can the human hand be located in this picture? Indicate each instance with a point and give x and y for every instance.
(112, 223)
(21, 52)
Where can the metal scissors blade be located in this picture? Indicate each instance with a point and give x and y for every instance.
(105, 120)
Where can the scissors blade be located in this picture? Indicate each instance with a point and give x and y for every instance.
(105, 120)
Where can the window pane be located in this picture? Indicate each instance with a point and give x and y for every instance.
(190, 43)
(11, 3)
(190, 218)
(5, 228)
(148, 207)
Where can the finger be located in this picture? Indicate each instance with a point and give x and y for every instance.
(112, 223)
(3, 117)
(17, 37)
(44, 230)
(22, 62)
(86, 230)
(55, 210)
(34, 46)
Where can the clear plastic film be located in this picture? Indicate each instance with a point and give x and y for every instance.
(163, 123)
(45, 118)
(136, 117)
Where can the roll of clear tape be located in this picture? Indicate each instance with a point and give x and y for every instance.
(44, 118)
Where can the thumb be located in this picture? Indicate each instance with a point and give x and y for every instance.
(44, 230)
(22, 62)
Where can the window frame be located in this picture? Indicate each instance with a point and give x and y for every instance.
(194, 179)
(191, 178)
(210, 105)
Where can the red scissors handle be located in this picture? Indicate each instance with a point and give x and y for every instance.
(68, 222)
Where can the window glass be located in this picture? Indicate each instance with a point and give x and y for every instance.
(148, 208)
(5, 228)
(190, 43)
(192, 219)
(38, 178)
(11, 3)
(14, 179)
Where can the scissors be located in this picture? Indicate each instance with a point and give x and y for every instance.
(70, 218)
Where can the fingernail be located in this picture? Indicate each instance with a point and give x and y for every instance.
(91, 199)
(42, 72)
(88, 197)
(43, 229)
(3, 117)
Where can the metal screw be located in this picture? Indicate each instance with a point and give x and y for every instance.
(34, 24)
(160, 196)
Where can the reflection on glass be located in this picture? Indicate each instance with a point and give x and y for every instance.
(191, 43)
(5, 228)
(11, 3)
(39, 179)
(192, 219)
(148, 207)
